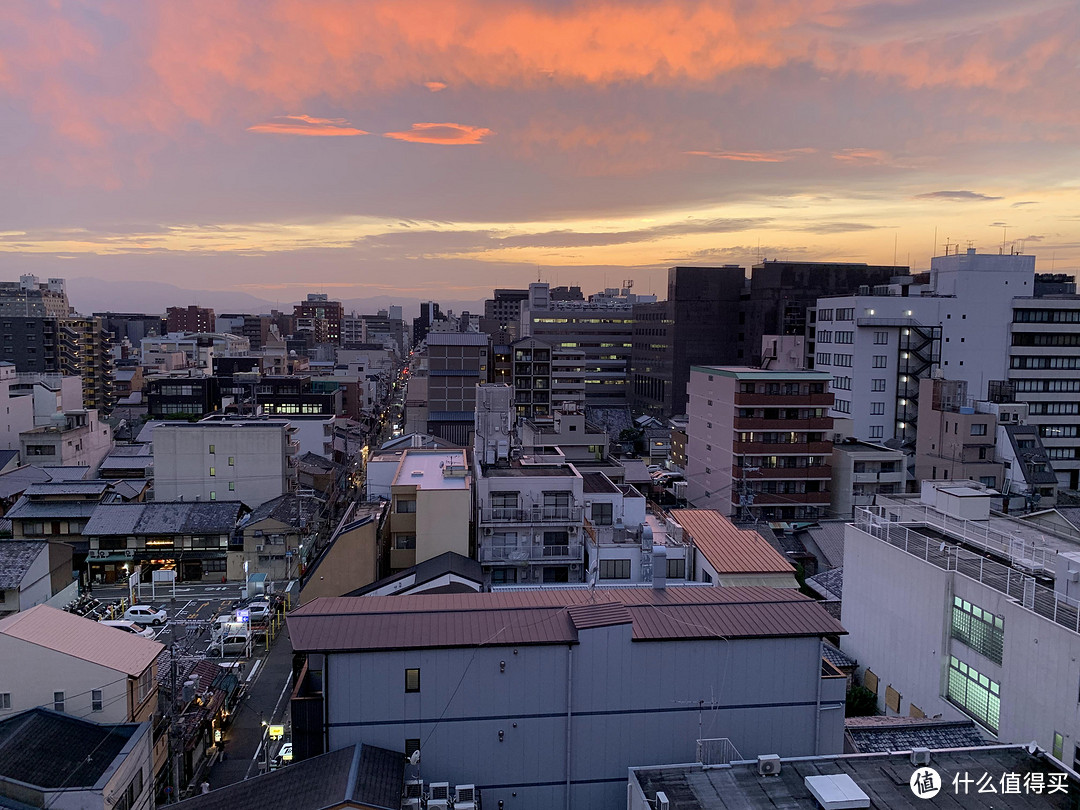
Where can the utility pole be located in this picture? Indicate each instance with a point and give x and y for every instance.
(174, 749)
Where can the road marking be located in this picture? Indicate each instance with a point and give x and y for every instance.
(254, 669)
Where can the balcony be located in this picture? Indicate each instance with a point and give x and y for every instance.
(781, 473)
(522, 553)
(533, 514)
(784, 449)
(809, 423)
(783, 400)
(792, 498)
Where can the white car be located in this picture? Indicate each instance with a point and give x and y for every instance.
(129, 627)
(145, 614)
(259, 610)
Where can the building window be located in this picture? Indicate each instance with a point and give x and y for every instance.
(5, 700)
(974, 693)
(232, 486)
(412, 745)
(877, 385)
(213, 495)
(676, 569)
(978, 430)
(58, 701)
(601, 514)
(881, 361)
(211, 449)
(979, 629)
(877, 408)
(877, 431)
(881, 338)
(95, 700)
(412, 680)
(404, 541)
(145, 684)
(503, 576)
(406, 506)
(614, 569)
(213, 471)
(232, 461)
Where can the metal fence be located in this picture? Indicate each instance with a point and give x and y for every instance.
(885, 525)
(717, 751)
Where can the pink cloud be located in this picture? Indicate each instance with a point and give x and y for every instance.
(308, 125)
(435, 87)
(444, 134)
(780, 156)
(862, 156)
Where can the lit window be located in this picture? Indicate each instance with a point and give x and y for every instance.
(412, 680)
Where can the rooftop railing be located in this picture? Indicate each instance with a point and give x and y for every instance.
(1016, 583)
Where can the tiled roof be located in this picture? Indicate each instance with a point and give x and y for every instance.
(543, 617)
(829, 584)
(16, 557)
(48, 749)
(82, 638)
(885, 734)
(837, 657)
(93, 487)
(828, 536)
(26, 509)
(163, 517)
(360, 775)
(728, 549)
(288, 509)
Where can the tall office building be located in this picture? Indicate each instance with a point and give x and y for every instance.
(321, 316)
(602, 330)
(696, 325)
(457, 363)
(429, 313)
(505, 307)
(780, 293)
(190, 319)
(28, 297)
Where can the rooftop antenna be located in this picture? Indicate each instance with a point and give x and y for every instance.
(933, 247)
(895, 237)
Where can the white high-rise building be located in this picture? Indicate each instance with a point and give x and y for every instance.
(877, 345)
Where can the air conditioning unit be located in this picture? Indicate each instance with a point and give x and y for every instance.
(920, 756)
(768, 765)
(259, 547)
(572, 530)
(438, 796)
(465, 797)
(662, 802)
(414, 794)
(487, 531)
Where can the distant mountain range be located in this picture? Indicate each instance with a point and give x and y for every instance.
(89, 295)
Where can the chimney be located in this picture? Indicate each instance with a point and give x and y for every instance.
(659, 568)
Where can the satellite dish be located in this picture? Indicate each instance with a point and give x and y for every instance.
(414, 757)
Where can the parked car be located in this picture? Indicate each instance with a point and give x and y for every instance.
(130, 627)
(258, 610)
(146, 614)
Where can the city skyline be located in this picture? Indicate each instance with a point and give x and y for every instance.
(442, 150)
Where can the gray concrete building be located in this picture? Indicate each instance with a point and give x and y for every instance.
(543, 698)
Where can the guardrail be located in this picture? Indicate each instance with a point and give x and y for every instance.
(1013, 582)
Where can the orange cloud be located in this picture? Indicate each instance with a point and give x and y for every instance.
(308, 125)
(863, 156)
(435, 87)
(780, 156)
(444, 134)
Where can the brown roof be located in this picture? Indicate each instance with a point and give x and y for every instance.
(552, 616)
(728, 549)
(82, 638)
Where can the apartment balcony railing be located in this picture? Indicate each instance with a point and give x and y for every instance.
(533, 514)
(521, 553)
(884, 524)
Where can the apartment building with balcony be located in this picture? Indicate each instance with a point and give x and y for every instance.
(759, 442)
(249, 460)
(953, 611)
(70, 439)
(863, 470)
(957, 438)
(545, 377)
(430, 507)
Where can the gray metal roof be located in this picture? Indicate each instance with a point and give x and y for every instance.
(837, 657)
(1034, 455)
(16, 557)
(884, 779)
(543, 617)
(829, 584)
(163, 517)
(457, 339)
(93, 487)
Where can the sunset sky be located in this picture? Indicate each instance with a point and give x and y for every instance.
(443, 148)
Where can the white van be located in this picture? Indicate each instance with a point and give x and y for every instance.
(129, 627)
(232, 638)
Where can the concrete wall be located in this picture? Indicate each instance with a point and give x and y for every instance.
(897, 610)
(182, 463)
(349, 563)
(442, 522)
(632, 703)
(31, 674)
